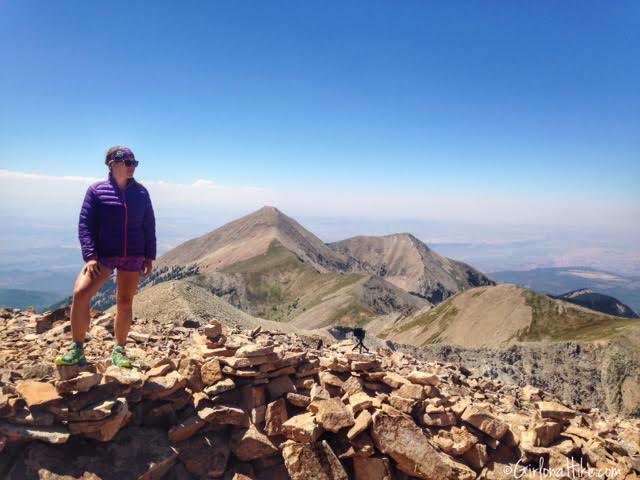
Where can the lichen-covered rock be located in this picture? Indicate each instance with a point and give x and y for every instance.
(316, 461)
(400, 438)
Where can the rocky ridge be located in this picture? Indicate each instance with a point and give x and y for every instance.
(214, 401)
(410, 264)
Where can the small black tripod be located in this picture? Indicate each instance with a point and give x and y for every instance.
(359, 334)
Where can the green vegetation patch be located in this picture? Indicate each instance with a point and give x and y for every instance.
(449, 314)
(478, 292)
(331, 284)
(553, 321)
(280, 285)
(424, 320)
(354, 314)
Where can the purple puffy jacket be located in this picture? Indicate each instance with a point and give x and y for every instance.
(116, 223)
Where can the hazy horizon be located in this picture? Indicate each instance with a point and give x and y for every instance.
(49, 221)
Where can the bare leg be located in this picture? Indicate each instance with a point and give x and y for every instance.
(125, 291)
(83, 291)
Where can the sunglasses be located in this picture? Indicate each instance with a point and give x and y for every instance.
(128, 163)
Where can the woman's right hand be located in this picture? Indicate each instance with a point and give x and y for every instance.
(92, 267)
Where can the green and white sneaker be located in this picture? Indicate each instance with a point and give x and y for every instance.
(118, 358)
(75, 357)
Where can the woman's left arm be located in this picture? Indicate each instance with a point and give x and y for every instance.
(149, 226)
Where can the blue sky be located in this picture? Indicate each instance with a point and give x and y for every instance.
(531, 102)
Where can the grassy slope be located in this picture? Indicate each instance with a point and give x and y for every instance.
(559, 321)
(444, 312)
(280, 286)
(551, 321)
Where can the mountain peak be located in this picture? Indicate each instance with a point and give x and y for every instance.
(408, 263)
(268, 209)
(269, 215)
(407, 236)
(250, 236)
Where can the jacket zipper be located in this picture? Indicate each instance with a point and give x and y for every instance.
(124, 195)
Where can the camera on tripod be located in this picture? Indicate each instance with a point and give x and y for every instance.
(359, 334)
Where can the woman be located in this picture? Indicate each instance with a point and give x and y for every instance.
(116, 231)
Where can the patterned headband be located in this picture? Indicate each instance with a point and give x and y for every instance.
(122, 153)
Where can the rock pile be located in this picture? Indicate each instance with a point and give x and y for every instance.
(206, 401)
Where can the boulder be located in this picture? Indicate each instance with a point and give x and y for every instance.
(400, 438)
(104, 430)
(248, 444)
(361, 424)
(372, 468)
(37, 394)
(224, 415)
(92, 413)
(254, 350)
(555, 410)
(161, 387)
(204, 455)
(275, 416)
(82, 383)
(220, 387)
(186, 429)
(443, 419)
(280, 386)
(422, 378)
(485, 422)
(124, 376)
(394, 380)
(302, 428)
(360, 401)
(213, 330)
(315, 461)
(211, 372)
(331, 414)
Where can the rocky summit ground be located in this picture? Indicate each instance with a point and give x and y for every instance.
(216, 401)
